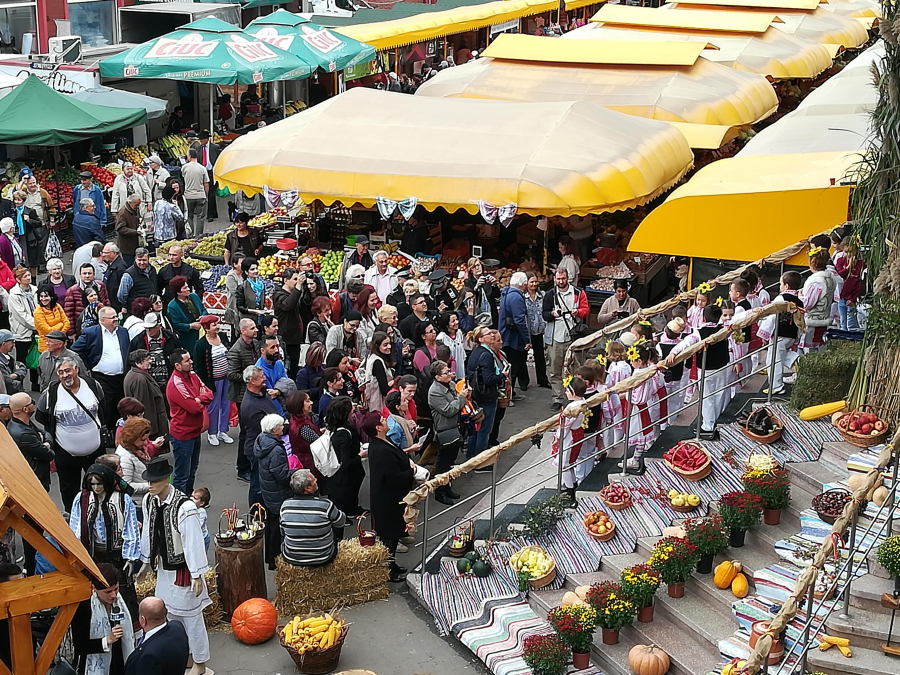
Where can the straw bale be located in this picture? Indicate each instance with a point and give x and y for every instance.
(358, 574)
(212, 615)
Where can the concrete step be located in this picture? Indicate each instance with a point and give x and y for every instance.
(765, 536)
(864, 629)
(866, 592)
(687, 655)
(753, 556)
(813, 475)
(863, 662)
(838, 452)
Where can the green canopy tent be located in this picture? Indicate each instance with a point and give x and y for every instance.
(208, 50)
(310, 42)
(35, 114)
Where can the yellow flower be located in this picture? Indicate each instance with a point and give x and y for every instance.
(633, 354)
(704, 288)
(601, 359)
(814, 250)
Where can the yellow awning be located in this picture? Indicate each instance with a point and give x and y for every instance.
(577, 4)
(744, 207)
(773, 53)
(745, 4)
(703, 94)
(738, 22)
(854, 8)
(422, 27)
(706, 136)
(866, 21)
(545, 158)
(542, 49)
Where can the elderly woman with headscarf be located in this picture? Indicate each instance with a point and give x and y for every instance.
(274, 479)
(167, 217)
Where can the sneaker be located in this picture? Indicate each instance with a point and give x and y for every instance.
(402, 548)
(225, 438)
(511, 404)
(634, 464)
(790, 379)
(212, 439)
(407, 540)
(774, 393)
(245, 477)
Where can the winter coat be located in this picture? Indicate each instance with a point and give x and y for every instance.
(445, 406)
(21, 316)
(253, 408)
(128, 221)
(482, 375)
(390, 479)
(240, 355)
(345, 442)
(87, 227)
(274, 473)
(46, 320)
(7, 280)
(182, 321)
(513, 310)
(133, 474)
(140, 385)
(119, 192)
(30, 441)
(287, 311)
(74, 303)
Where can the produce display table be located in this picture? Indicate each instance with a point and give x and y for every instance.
(242, 575)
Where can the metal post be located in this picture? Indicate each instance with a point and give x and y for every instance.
(846, 613)
(810, 602)
(627, 437)
(700, 388)
(212, 103)
(493, 493)
(892, 513)
(424, 537)
(772, 359)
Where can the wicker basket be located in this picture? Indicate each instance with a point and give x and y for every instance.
(465, 533)
(695, 474)
(618, 506)
(316, 662)
(604, 537)
(684, 509)
(541, 581)
(863, 440)
(768, 438)
(766, 451)
(824, 517)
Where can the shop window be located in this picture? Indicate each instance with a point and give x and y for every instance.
(93, 21)
(17, 29)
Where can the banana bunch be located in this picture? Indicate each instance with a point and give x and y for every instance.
(313, 634)
(294, 107)
(390, 247)
(175, 145)
(841, 643)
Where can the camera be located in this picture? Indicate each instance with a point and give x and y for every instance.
(310, 274)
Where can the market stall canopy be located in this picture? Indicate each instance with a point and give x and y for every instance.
(704, 94)
(755, 4)
(329, 50)
(541, 158)
(696, 20)
(35, 114)
(772, 53)
(540, 49)
(116, 98)
(207, 50)
(817, 25)
(577, 4)
(744, 207)
(420, 27)
(9, 81)
(854, 8)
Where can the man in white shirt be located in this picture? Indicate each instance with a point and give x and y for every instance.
(196, 181)
(381, 276)
(207, 154)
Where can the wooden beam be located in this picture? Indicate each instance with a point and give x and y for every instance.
(48, 550)
(21, 645)
(3, 669)
(32, 594)
(54, 638)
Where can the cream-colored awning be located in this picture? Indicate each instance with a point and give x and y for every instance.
(703, 94)
(746, 4)
(854, 8)
(696, 20)
(544, 158)
(773, 53)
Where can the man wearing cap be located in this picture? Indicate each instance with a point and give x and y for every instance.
(12, 371)
(126, 184)
(56, 349)
(88, 190)
(87, 225)
(360, 256)
(207, 154)
(138, 281)
(382, 277)
(676, 377)
(443, 296)
(5, 412)
(74, 304)
(71, 412)
(157, 175)
(104, 349)
(112, 276)
(160, 343)
(196, 181)
(129, 223)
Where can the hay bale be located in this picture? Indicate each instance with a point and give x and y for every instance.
(358, 574)
(825, 376)
(212, 615)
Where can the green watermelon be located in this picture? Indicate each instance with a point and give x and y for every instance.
(482, 568)
(473, 556)
(463, 565)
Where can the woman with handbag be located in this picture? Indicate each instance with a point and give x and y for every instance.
(302, 430)
(22, 305)
(344, 485)
(485, 375)
(378, 369)
(446, 406)
(274, 479)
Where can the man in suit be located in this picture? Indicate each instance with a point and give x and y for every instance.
(207, 154)
(104, 350)
(163, 650)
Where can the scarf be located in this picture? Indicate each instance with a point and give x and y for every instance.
(259, 289)
(18, 253)
(20, 223)
(90, 315)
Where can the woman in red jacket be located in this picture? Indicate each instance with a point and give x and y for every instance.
(302, 430)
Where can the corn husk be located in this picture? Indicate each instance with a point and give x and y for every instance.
(212, 615)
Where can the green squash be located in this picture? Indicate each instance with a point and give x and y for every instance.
(463, 565)
(473, 556)
(482, 568)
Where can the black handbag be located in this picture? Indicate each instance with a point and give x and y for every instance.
(107, 440)
(449, 437)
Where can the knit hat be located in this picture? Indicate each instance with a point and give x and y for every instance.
(628, 339)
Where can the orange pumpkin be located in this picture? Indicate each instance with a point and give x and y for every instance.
(648, 660)
(254, 621)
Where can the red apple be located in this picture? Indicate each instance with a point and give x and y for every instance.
(867, 428)
(879, 425)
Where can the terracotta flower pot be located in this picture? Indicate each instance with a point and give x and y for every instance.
(581, 661)
(771, 516)
(645, 614)
(610, 637)
(676, 590)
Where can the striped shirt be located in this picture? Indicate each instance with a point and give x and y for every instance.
(307, 522)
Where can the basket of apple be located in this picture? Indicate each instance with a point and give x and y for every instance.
(862, 428)
(599, 526)
(616, 496)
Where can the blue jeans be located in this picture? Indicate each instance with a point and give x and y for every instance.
(220, 409)
(479, 442)
(848, 316)
(255, 496)
(187, 458)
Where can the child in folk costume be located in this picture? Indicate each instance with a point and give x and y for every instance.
(618, 368)
(785, 348)
(757, 297)
(717, 367)
(593, 444)
(641, 400)
(660, 411)
(612, 424)
(675, 377)
(727, 307)
(818, 299)
(569, 435)
(738, 293)
(694, 321)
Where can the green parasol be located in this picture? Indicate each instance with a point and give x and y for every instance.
(310, 42)
(207, 50)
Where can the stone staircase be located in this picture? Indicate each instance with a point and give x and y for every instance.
(695, 630)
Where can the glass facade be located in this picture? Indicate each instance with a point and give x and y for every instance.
(18, 28)
(93, 21)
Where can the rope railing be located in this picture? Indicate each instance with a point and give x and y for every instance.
(807, 579)
(490, 455)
